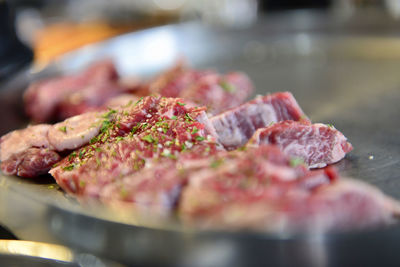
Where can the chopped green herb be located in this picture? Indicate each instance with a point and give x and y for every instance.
(294, 162)
(98, 162)
(98, 149)
(173, 117)
(140, 100)
(72, 155)
(199, 138)
(109, 113)
(181, 104)
(183, 147)
(148, 138)
(93, 140)
(119, 138)
(330, 125)
(195, 130)
(188, 117)
(105, 126)
(82, 153)
(69, 167)
(134, 129)
(104, 138)
(228, 87)
(216, 163)
(63, 129)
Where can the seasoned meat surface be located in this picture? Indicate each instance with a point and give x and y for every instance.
(261, 188)
(153, 127)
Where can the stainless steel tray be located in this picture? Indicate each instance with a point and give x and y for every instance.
(341, 72)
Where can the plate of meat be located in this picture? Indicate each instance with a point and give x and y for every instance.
(184, 145)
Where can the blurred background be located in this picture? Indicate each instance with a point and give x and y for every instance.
(47, 29)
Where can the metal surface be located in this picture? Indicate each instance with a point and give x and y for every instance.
(344, 73)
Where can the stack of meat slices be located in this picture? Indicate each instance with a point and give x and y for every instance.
(252, 166)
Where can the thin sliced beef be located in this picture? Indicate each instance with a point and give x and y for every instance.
(316, 144)
(205, 88)
(30, 163)
(156, 127)
(62, 97)
(27, 152)
(236, 126)
(260, 189)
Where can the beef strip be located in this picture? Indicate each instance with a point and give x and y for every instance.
(316, 144)
(154, 127)
(260, 189)
(236, 126)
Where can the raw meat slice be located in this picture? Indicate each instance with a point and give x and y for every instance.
(236, 126)
(257, 189)
(43, 98)
(157, 187)
(27, 152)
(206, 88)
(154, 127)
(20, 140)
(219, 92)
(30, 163)
(316, 144)
(32, 151)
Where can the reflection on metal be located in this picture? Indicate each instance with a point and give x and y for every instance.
(36, 249)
